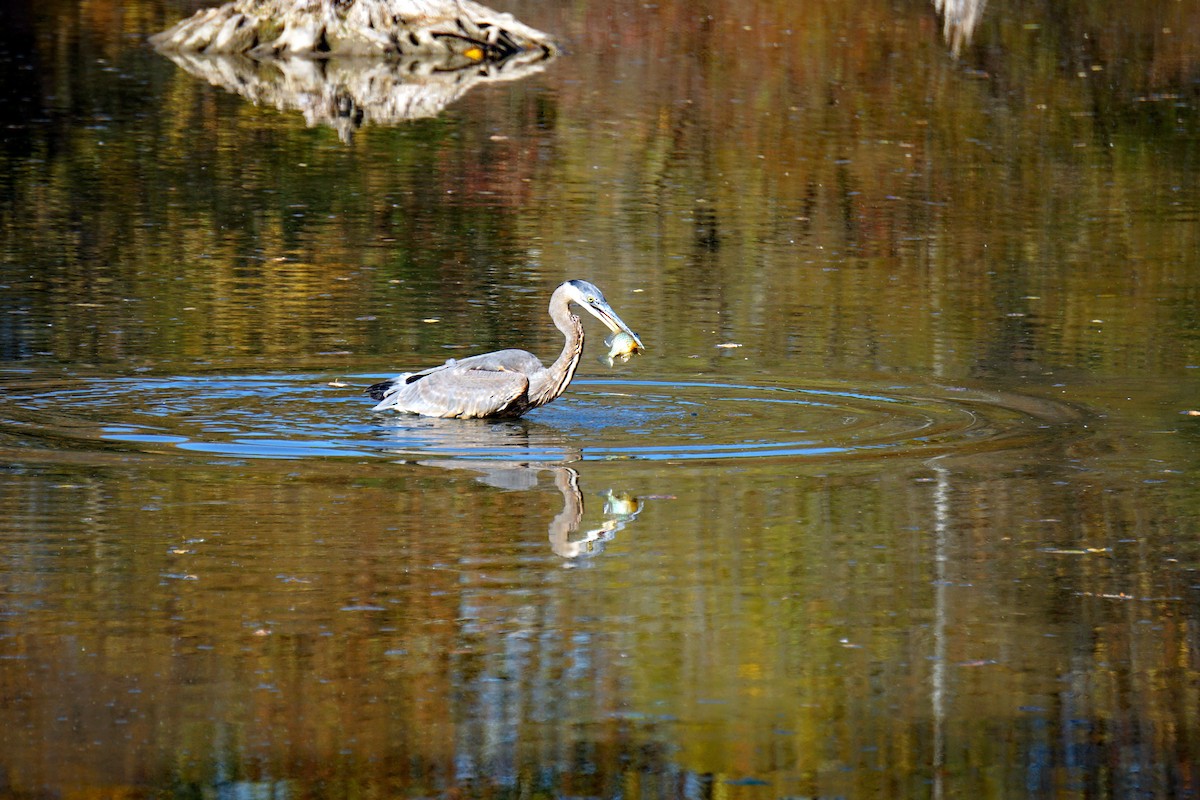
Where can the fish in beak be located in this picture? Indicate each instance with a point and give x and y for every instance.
(603, 312)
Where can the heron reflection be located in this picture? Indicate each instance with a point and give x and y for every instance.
(568, 537)
(506, 383)
(514, 455)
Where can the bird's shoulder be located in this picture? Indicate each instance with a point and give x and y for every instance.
(501, 361)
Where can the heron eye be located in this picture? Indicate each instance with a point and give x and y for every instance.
(591, 298)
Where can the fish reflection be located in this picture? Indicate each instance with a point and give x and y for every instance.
(514, 456)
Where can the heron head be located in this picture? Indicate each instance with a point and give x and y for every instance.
(591, 298)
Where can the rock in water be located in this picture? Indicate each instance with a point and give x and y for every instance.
(322, 28)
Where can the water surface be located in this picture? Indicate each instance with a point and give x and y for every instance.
(899, 501)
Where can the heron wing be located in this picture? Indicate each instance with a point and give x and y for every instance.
(506, 360)
(458, 391)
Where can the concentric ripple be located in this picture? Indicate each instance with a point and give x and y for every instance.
(307, 416)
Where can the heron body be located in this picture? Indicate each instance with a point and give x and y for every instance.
(506, 383)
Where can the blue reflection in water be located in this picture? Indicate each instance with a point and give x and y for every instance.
(305, 416)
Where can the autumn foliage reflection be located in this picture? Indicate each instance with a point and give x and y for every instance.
(823, 181)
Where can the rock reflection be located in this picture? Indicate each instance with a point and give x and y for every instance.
(518, 459)
(348, 93)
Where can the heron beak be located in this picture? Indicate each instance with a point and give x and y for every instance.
(604, 313)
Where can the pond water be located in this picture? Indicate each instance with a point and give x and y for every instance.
(899, 501)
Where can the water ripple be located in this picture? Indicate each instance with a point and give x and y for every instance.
(305, 416)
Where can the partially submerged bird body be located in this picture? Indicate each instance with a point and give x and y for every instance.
(490, 385)
(506, 383)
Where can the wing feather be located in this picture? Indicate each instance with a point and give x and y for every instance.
(487, 385)
(461, 392)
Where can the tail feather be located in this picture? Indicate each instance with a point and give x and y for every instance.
(379, 391)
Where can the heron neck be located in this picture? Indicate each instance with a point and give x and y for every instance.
(553, 381)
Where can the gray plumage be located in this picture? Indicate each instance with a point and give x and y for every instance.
(506, 383)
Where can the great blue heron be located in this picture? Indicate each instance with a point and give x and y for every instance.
(506, 383)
